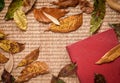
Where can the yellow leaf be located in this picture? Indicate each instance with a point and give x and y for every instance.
(20, 19)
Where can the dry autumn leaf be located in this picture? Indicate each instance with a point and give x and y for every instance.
(3, 59)
(56, 80)
(66, 3)
(29, 58)
(27, 5)
(33, 70)
(2, 35)
(111, 55)
(11, 46)
(55, 12)
(67, 70)
(20, 19)
(68, 24)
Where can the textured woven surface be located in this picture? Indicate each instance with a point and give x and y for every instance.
(53, 50)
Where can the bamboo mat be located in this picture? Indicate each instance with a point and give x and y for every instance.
(53, 50)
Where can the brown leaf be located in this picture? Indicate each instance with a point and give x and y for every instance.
(3, 59)
(29, 58)
(86, 7)
(67, 70)
(111, 55)
(33, 70)
(2, 35)
(56, 80)
(55, 12)
(66, 3)
(11, 46)
(68, 24)
(28, 4)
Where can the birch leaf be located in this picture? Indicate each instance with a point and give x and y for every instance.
(111, 55)
(32, 70)
(3, 59)
(9, 64)
(67, 70)
(116, 27)
(11, 46)
(68, 24)
(27, 5)
(20, 19)
(97, 15)
(14, 5)
(54, 12)
(2, 4)
(29, 58)
(56, 80)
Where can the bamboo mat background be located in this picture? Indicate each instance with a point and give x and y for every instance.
(52, 50)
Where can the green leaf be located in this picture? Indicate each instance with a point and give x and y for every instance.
(15, 4)
(67, 70)
(116, 27)
(97, 15)
(20, 19)
(2, 4)
(56, 80)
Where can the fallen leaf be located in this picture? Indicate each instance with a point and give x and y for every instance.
(116, 27)
(111, 55)
(97, 15)
(85, 6)
(11, 46)
(9, 64)
(54, 12)
(3, 59)
(66, 3)
(56, 80)
(20, 19)
(2, 4)
(1, 72)
(54, 20)
(99, 78)
(67, 70)
(68, 24)
(14, 5)
(2, 35)
(29, 58)
(27, 5)
(7, 77)
(32, 70)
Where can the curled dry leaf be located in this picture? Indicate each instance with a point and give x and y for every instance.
(111, 55)
(55, 12)
(66, 3)
(27, 5)
(33, 70)
(3, 59)
(9, 64)
(7, 77)
(68, 24)
(14, 5)
(29, 58)
(97, 15)
(67, 70)
(20, 19)
(11, 46)
(56, 80)
(85, 6)
(99, 78)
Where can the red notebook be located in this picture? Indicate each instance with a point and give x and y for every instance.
(86, 52)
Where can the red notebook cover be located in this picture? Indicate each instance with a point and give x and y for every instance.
(86, 52)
